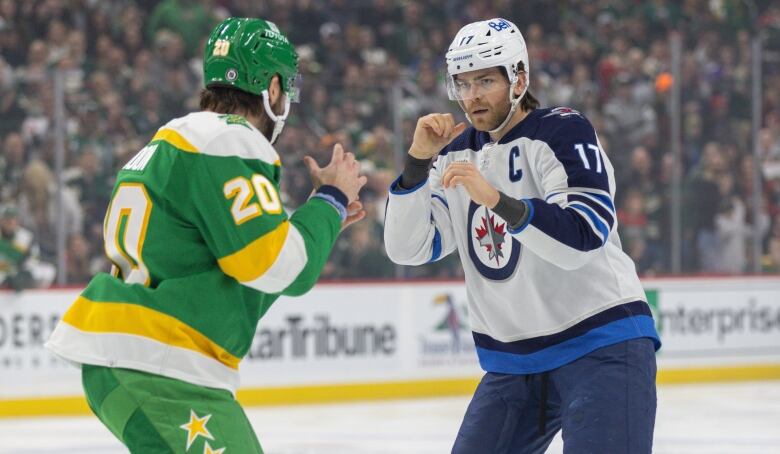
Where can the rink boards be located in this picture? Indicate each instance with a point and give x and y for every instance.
(354, 341)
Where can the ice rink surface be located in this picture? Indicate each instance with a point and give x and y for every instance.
(703, 418)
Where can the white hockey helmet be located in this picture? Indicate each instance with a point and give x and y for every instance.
(486, 44)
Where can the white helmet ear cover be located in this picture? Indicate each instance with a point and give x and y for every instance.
(277, 119)
(514, 82)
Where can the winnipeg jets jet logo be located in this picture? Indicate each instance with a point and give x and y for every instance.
(491, 236)
(563, 112)
(492, 249)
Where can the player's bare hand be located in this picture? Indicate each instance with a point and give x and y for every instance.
(355, 212)
(434, 132)
(467, 175)
(343, 172)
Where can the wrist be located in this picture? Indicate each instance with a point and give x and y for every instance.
(418, 153)
(415, 171)
(335, 197)
(495, 197)
(515, 212)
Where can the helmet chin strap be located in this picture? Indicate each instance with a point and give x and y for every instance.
(514, 102)
(277, 119)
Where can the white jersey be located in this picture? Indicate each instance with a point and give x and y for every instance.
(557, 287)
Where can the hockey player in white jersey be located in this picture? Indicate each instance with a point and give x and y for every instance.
(525, 194)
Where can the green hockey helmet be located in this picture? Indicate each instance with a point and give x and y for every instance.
(246, 53)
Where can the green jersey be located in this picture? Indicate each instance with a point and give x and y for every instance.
(201, 247)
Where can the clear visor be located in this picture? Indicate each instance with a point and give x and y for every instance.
(294, 85)
(462, 87)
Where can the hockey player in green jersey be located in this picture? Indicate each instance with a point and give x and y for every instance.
(201, 247)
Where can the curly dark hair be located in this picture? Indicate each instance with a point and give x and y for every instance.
(229, 100)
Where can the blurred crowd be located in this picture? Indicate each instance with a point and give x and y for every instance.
(370, 68)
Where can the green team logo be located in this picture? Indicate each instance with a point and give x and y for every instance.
(652, 301)
(233, 119)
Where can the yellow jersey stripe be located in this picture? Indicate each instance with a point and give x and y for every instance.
(174, 138)
(254, 259)
(125, 318)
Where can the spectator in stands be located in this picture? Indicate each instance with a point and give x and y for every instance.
(632, 219)
(629, 119)
(91, 186)
(731, 229)
(16, 244)
(170, 69)
(20, 267)
(11, 46)
(38, 209)
(762, 221)
(772, 262)
(703, 205)
(190, 19)
(639, 174)
(12, 161)
(78, 260)
(11, 113)
(148, 114)
(37, 61)
(362, 255)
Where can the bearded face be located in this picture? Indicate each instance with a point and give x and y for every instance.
(484, 95)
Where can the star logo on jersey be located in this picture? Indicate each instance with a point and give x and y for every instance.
(208, 450)
(196, 427)
(491, 236)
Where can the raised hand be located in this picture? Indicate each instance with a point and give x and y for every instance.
(342, 172)
(467, 175)
(434, 132)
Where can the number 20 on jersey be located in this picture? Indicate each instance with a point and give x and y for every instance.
(241, 190)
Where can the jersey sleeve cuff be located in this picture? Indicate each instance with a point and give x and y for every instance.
(526, 219)
(335, 197)
(397, 189)
(516, 213)
(415, 172)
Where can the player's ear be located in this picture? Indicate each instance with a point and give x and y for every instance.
(274, 90)
(521, 81)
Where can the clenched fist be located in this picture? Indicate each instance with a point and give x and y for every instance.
(434, 132)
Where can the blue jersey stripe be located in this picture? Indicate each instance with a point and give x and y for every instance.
(604, 199)
(604, 213)
(597, 221)
(564, 226)
(436, 247)
(535, 344)
(565, 352)
(441, 199)
(584, 196)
